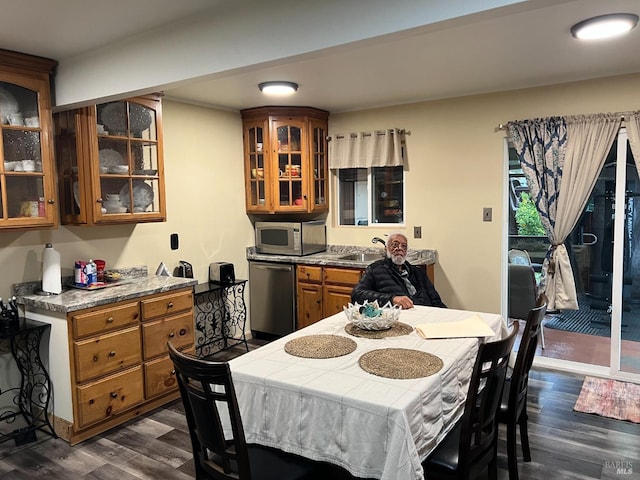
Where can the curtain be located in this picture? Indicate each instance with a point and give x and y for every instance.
(632, 122)
(589, 139)
(561, 159)
(381, 148)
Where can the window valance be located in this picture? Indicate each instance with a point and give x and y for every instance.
(380, 148)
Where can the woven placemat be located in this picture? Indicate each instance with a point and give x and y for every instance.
(397, 329)
(400, 363)
(320, 346)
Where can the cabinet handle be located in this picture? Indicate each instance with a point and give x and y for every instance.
(95, 358)
(99, 200)
(113, 395)
(173, 372)
(172, 334)
(112, 353)
(183, 331)
(51, 201)
(110, 320)
(170, 305)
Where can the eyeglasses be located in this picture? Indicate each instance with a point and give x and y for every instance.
(398, 245)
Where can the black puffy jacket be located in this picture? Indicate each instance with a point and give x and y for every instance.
(382, 281)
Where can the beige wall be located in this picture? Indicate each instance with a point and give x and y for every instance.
(456, 167)
(205, 206)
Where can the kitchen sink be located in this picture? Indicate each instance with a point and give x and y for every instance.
(361, 257)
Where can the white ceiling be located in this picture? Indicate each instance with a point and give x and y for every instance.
(521, 45)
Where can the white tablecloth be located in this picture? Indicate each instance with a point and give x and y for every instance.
(332, 410)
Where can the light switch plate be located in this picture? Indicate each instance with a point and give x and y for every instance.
(486, 214)
(417, 232)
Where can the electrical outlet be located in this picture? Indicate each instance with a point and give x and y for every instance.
(174, 241)
(417, 232)
(486, 214)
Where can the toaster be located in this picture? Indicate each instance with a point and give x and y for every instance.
(221, 272)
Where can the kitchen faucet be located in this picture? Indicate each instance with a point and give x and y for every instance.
(378, 240)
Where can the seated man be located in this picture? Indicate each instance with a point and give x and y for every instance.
(395, 280)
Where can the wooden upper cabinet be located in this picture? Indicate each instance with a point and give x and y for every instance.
(285, 160)
(27, 186)
(110, 162)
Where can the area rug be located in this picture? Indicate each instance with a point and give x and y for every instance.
(609, 398)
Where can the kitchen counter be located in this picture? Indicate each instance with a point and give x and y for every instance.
(332, 256)
(136, 284)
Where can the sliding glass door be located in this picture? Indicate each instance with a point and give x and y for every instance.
(604, 250)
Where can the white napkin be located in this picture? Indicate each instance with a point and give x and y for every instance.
(473, 326)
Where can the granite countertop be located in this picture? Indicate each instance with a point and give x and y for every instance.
(332, 256)
(136, 283)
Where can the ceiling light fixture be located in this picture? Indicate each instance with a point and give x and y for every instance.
(278, 88)
(604, 26)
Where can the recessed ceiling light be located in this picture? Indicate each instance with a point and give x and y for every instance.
(278, 88)
(604, 26)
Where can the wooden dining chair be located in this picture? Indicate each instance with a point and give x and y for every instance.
(513, 407)
(471, 447)
(206, 386)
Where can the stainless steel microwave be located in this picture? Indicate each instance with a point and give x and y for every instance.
(291, 238)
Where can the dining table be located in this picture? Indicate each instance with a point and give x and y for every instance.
(375, 403)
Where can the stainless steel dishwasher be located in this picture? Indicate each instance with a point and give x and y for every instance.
(272, 298)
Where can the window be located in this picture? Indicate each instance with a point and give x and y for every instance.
(371, 195)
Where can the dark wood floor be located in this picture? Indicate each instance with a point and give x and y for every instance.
(565, 445)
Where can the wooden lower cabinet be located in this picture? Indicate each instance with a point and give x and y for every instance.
(323, 291)
(108, 397)
(120, 367)
(334, 297)
(309, 303)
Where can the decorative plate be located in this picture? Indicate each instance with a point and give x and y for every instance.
(114, 118)
(109, 158)
(142, 195)
(139, 117)
(8, 104)
(76, 193)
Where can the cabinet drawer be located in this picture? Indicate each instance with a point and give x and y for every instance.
(104, 319)
(155, 335)
(160, 377)
(342, 276)
(107, 354)
(106, 398)
(166, 304)
(310, 274)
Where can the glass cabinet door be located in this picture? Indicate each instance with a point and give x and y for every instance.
(127, 158)
(256, 148)
(110, 162)
(71, 197)
(319, 161)
(24, 196)
(290, 166)
(285, 160)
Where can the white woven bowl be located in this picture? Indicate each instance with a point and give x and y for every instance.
(388, 316)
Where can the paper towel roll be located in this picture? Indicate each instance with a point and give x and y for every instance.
(51, 277)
